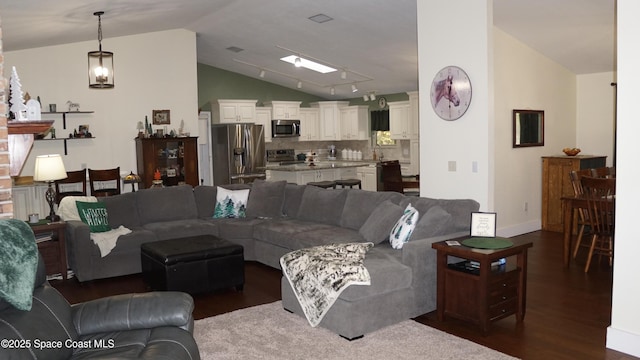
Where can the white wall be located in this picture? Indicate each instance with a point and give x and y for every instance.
(442, 42)
(624, 332)
(596, 111)
(152, 71)
(525, 79)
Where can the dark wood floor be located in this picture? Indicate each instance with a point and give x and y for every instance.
(568, 311)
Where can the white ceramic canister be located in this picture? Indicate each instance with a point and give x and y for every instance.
(344, 154)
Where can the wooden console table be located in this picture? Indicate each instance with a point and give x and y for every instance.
(485, 295)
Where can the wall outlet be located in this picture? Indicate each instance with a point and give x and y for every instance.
(526, 206)
(83, 165)
(452, 166)
(474, 166)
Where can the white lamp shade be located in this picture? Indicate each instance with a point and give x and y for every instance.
(49, 168)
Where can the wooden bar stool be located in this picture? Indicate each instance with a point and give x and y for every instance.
(323, 184)
(350, 183)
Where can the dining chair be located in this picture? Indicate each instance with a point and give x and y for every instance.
(583, 222)
(603, 172)
(600, 196)
(392, 180)
(104, 182)
(71, 185)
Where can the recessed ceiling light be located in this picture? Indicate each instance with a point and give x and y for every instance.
(235, 49)
(305, 63)
(320, 18)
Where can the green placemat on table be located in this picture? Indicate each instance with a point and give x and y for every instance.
(487, 243)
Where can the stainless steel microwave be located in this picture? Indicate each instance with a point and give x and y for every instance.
(285, 128)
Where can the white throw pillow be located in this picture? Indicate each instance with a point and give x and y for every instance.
(401, 231)
(231, 203)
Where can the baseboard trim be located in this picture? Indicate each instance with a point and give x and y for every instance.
(623, 341)
(519, 229)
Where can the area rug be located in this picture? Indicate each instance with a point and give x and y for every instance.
(270, 332)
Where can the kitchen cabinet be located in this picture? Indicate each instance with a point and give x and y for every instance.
(263, 117)
(369, 177)
(175, 158)
(303, 177)
(284, 109)
(235, 111)
(329, 118)
(29, 199)
(309, 124)
(354, 123)
(556, 184)
(399, 120)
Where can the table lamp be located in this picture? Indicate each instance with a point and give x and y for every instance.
(50, 168)
(132, 179)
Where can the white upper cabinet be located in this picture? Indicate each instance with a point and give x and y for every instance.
(263, 117)
(309, 124)
(399, 120)
(284, 109)
(329, 118)
(235, 111)
(354, 123)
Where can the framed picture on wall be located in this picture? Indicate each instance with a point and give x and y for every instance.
(161, 117)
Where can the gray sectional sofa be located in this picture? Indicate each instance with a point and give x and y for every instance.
(283, 217)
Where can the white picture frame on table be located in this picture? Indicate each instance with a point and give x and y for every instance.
(483, 224)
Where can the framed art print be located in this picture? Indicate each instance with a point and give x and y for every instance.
(483, 224)
(161, 117)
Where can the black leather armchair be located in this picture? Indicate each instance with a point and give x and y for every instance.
(155, 325)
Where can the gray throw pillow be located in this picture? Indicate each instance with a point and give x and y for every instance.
(436, 221)
(266, 199)
(378, 225)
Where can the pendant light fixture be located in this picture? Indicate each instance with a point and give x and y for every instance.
(100, 62)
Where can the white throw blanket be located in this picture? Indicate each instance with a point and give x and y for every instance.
(318, 275)
(106, 241)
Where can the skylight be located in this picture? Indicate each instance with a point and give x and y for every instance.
(311, 65)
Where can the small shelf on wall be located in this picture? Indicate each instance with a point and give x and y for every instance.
(64, 115)
(65, 141)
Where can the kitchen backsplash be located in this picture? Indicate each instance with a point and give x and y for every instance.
(398, 152)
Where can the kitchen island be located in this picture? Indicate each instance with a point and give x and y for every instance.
(326, 171)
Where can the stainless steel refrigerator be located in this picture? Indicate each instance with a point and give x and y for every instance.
(238, 153)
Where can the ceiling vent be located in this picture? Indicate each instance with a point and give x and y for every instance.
(235, 49)
(320, 18)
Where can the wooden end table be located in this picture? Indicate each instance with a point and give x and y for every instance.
(484, 294)
(54, 251)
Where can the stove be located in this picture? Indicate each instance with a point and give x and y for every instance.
(281, 156)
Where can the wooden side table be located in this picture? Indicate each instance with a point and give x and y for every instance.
(54, 251)
(482, 295)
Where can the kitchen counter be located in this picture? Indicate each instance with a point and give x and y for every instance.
(321, 165)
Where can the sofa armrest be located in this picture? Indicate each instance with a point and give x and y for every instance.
(79, 249)
(134, 311)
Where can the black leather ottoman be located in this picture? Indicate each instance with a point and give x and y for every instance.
(194, 264)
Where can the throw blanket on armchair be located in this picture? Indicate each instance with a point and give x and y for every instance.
(318, 275)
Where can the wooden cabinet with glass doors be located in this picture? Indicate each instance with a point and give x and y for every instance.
(176, 160)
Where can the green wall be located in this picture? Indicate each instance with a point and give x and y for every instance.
(215, 83)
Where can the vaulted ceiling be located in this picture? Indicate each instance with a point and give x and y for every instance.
(373, 41)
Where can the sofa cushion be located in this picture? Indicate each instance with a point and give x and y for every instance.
(401, 231)
(169, 203)
(122, 210)
(360, 203)
(95, 215)
(266, 199)
(325, 236)
(322, 205)
(387, 273)
(460, 209)
(292, 199)
(231, 203)
(281, 232)
(378, 226)
(181, 228)
(205, 197)
(231, 229)
(436, 221)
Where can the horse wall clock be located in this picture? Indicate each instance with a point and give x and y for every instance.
(451, 93)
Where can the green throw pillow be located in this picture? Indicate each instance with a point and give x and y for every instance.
(94, 214)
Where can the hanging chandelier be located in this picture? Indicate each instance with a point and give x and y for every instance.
(100, 62)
